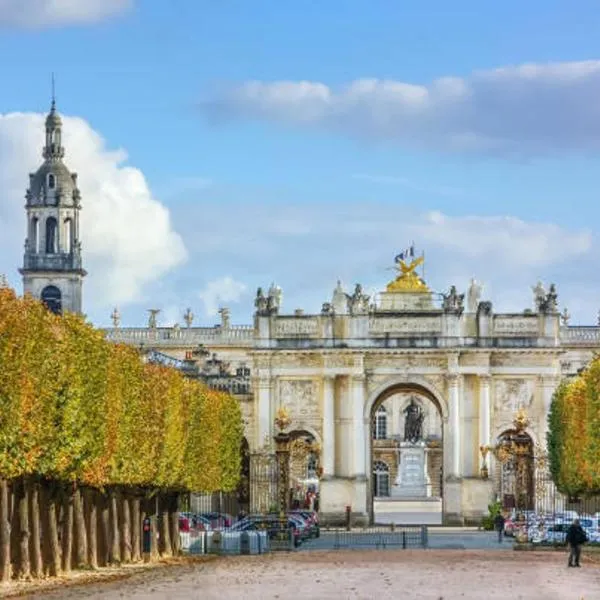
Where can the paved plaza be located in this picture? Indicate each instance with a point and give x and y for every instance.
(356, 574)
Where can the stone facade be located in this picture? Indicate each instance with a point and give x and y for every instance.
(52, 267)
(471, 368)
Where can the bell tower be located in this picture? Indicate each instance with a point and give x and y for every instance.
(52, 267)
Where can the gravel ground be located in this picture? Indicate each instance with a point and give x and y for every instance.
(405, 574)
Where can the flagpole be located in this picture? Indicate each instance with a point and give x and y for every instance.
(423, 255)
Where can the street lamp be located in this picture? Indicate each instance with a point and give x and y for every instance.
(282, 453)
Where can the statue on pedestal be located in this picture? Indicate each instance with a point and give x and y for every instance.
(152, 324)
(539, 296)
(261, 302)
(474, 295)
(188, 317)
(116, 318)
(413, 423)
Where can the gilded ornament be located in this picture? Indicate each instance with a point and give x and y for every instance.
(408, 281)
(521, 421)
(282, 419)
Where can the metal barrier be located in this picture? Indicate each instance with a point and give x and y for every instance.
(370, 537)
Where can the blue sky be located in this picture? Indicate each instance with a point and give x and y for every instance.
(168, 85)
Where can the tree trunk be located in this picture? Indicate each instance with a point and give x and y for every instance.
(15, 526)
(81, 542)
(50, 530)
(22, 516)
(67, 529)
(125, 526)
(136, 521)
(5, 572)
(115, 545)
(153, 512)
(90, 499)
(164, 546)
(174, 500)
(35, 539)
(105, 530)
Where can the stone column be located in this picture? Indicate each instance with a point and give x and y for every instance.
(264, 410)
(548, 386)
(328, 462)
(358, 403)
(485, 415)
(454, 424)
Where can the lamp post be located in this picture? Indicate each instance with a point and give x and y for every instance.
(282, 453)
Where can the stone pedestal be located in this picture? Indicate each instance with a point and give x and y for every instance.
(413, 480)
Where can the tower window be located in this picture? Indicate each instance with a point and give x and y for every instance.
(51, 236)
(51, 181)
(34, 235)
(52, 298)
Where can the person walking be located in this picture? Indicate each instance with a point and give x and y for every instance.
(575, 538)
(499, 526)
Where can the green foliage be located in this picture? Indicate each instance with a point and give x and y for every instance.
(574, 433)
(74, 407)
(494, 510)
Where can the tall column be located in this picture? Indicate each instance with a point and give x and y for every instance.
(548, 385)
(484, 415)
(328, 462)
(454, 424)
(358, 403)
(264, 410)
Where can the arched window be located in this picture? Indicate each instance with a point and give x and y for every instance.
(34, 234)
(68, 239)
(52, 298)
(380, 423)
(51, 181)
(381, 479)
(51, 236)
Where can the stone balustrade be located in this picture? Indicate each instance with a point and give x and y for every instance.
(580, 335)
(290, 331)
(239, 335)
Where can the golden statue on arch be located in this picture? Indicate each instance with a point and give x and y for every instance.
(408, 280)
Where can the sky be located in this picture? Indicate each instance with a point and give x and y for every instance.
(224, 145)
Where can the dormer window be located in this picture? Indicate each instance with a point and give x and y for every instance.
(51, 181)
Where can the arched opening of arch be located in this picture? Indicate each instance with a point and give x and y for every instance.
(406, 456)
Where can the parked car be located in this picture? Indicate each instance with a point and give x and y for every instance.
(311, 519)
(271, 524)
(218, 520)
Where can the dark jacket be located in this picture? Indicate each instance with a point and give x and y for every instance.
(576, 535)
(499, 522)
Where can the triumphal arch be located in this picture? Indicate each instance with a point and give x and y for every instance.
(397, 396)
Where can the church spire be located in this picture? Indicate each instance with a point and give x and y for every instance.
(53, 149)
(53, 107)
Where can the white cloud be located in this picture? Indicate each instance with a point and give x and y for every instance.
(127, 236)
(53, 13)
(219, 292)
(516, 242)
(357, 242)
(527, 109)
